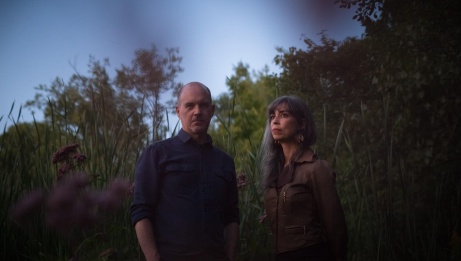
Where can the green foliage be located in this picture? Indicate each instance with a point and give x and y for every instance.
(393, 98)
(240, 113)
(255, 240)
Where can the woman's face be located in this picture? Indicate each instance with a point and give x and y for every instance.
(284, 126)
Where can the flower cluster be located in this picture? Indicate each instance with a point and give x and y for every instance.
(29, 205)
(67, 158)
(72, 203)
(263, 217)
(242, 180)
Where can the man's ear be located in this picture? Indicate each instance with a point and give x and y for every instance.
(177, 110)
(213, 108)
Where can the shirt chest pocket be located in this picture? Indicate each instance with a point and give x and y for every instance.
(180, 179)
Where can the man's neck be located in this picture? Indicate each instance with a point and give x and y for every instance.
(199, 139)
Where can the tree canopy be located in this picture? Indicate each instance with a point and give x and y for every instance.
(122, 103)
(393, 99)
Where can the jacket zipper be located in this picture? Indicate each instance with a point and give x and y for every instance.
(284, 201)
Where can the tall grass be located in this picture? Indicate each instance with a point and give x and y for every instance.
(26, 150)
(381, 196)
(255, 242)
(393, 212)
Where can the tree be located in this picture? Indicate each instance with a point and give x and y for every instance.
(324, 76)
(149, 76)
(89, 100)
(392, 98)
(241, 112)
(90, 110)
(104, 108)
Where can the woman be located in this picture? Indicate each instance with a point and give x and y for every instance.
(300, 198)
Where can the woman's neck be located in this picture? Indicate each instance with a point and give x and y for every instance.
(289, 152)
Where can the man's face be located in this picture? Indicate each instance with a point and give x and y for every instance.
(195, 110)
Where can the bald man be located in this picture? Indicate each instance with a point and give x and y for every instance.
(185, 204)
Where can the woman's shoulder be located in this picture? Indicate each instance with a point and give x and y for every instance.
(307, 155)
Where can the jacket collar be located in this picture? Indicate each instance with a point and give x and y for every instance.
(286, 175)
(307, 156)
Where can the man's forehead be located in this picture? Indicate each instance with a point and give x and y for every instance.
(194, 93)
(195, 100)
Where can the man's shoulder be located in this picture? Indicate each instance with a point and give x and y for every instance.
(161, 144)
(166, 141)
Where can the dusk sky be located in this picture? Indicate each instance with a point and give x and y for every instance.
(42, 40)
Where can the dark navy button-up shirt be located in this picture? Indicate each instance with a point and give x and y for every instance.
(188, 191)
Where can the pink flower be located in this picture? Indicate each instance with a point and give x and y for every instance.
(242, 181)
(79, 180)
(28, 205)
(108, 201)
(263, 217)
(68, 159)
(79, 157)
(64, 153)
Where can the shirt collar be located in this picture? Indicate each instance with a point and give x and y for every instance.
(185, 137)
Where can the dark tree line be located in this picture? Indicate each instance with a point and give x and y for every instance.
(393, 98)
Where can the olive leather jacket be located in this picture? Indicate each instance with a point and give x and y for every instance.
(304, 209)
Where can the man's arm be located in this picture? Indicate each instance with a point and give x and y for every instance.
(146, 239)
(232, 235)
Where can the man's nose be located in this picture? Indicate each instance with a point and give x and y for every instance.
(197, 109)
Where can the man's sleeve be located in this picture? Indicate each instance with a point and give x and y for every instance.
(146, 185)
(232, 213)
